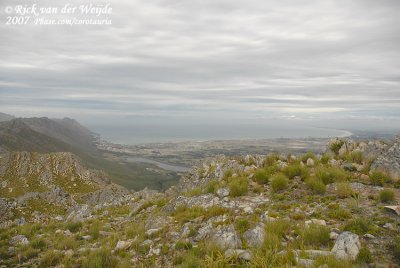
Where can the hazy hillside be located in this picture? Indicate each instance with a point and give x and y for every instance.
(5, 117)
(46, 135)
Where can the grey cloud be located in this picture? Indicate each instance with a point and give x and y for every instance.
(208, 58)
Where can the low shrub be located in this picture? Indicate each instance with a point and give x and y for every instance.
(335, 146)
(183, 245)
(296, 170)
(50, 258)
(242, 225)
(331, 174)
(316, 185)
(73, 226)
(343, 190)
(100, 258)
(396, 249)
(212, 186)
(316, 235)
(364, 256)
(386, 196)
(279, 182)
(270, 160)
(354, 157)
(238, 186)
(359, 226)
(379, 178)
(262, 176)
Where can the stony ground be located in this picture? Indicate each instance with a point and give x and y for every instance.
(339, 209)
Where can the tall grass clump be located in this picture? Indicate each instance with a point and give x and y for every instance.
(262, 176)
(386, 196)
(316, 235)
(238, 186)
(279, 182)
(296, 170)
(331, 174)
(335, 146)
(379, 178)
(316, 185)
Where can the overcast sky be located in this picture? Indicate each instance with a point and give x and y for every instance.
(234, 60)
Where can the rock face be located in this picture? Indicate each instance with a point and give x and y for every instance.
(227, 238)
(55, 180)
(255, 237)
(389, 160)
(347, 246)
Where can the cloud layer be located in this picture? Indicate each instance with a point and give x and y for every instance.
(229, 59)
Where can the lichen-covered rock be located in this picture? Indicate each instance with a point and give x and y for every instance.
(347, 246)
(238, 253)
(226, 237)
(255, 236)
(19, 240)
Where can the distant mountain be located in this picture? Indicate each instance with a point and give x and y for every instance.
(5, 117)
(45, 135)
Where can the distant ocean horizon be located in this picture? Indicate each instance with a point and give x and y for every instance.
(141, 134)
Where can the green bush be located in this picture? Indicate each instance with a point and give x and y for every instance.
(354, 157)
(242, 225)
(335, 146)
(316, 235)
(332, 262)
(311, 155)
(74, 226)
(212, 186)
(100, 258)
(316, 185)
(325, 159)
(183, 245)
(379, 178)
(38, 243)
(396, 249)
(386, 196)
(238, 186)
(331, 174)
(50, 258)
(270, 160)
(359, 226)
(262, 176)
(364, 256)
(343, 190)
(338, 214)
(296, 170)
(279, 182)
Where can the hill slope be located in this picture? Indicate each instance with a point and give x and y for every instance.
(330, 210)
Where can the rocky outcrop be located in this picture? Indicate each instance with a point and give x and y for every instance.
(347, 246)
(226, 237)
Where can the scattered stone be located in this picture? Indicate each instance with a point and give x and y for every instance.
(316, 222)
(255, 237)
(347, 246)
(305, 263)
(333, 235)
(388, 226)
(226, 237)
(395, 209)
(238, 253)
(368, 236)
(123, 245)
(152, 232)
(223, 192)
(248, 210)
(19, 240)
(310, 162)
(59, 218)
(147, 242)
(86, 237)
